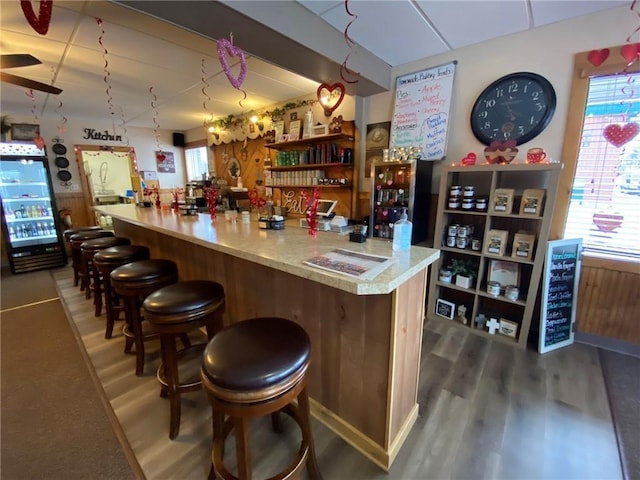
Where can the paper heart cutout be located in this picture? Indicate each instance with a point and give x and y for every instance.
(389, 182)
(400, 191)
(40, 23)
(597, 57)
(381, 175)
(225, 47)
(618, 136)
(327, 104)
(630, 52)
(39, 141)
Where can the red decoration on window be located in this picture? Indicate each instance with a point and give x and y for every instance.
(597, 57)
(618, 135)
(630, 52)
(325, 91)
(41, 22)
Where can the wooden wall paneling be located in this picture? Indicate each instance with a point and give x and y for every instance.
(81, 215)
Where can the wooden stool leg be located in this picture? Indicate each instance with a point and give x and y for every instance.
(130, 303)
(108, 302)
(170, 366)
(307, 434)
(97, 292)
(136, 322)
(86, 278)
(243, 449)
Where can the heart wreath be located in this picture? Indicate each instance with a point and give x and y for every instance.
(327, 105)
(40, 23)
(225, 47)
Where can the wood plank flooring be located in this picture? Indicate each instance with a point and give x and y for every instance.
(487, 410)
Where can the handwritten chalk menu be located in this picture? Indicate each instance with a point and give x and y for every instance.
(559, 295)
(421, 111)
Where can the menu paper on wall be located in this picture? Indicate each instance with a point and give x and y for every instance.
(421, 110)
(559, 294)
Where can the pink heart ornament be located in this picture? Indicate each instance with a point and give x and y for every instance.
(225, 47)
(617, 135)
(630, 52)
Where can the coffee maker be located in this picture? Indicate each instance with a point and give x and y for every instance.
(194, 193)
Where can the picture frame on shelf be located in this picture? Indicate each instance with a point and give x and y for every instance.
(445, 309)
(294, 130)
(502, 200)
(522, 246)
(504, 272)
(278, 128)
(496, 241)
(24, 131)
(531, 203)
(319, 130)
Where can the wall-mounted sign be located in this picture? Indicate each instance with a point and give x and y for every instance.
(93, 134)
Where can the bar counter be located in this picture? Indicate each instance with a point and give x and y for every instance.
(365, 334)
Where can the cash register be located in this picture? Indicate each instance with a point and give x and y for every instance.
(324, 213)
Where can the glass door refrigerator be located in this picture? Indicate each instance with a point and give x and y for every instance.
(30, 223)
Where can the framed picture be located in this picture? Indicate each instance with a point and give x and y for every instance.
(24, 131)
(495, 241)
(293, 116)
(278, 128)
(445, 309)
(523, 245)
(165, 161)
(371, 156)
(294, 130)
(378, 135)
(320, 130)
(502, 200)
(531, 203)
(504, 272)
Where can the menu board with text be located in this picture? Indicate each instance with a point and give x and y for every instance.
(559, 294)
(421, 111)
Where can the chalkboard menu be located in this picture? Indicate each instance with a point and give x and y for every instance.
(421, 111)
(559, 295)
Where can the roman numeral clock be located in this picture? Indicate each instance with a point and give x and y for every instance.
(518, 106)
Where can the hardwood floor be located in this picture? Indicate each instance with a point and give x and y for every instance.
(487, 410)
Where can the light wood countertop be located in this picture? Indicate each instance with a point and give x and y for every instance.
(283, 250)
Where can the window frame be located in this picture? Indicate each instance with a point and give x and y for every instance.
(191, 145)
(582, 71)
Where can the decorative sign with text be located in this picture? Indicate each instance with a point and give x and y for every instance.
(421, 111)
(559, 294)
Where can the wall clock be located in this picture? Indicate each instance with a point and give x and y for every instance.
(518, 106)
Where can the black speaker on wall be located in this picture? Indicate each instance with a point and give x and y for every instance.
(178, 139)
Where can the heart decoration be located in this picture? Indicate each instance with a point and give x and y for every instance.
(39, 141)
(618, 136)
(501, 152)
(325, 91)
(597, 57)
(630, 52)
(381, 176)
(225, 47)
(470, 159)
(40, 23)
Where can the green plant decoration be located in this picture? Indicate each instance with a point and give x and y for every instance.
(465, 268)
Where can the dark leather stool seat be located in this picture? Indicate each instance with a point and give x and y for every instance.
(253, 368)
(75, 240)
(104, 262)
(134, 282)
(88, 249)
(179, 309)
(70, 231)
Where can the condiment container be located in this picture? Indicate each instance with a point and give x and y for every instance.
(493, 288)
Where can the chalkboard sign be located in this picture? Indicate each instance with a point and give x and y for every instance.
(421, 111)
(559, 295)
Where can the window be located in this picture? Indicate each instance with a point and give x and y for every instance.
(605, 199)
(602, 153)
(197, 164)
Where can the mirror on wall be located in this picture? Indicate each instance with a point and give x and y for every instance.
(106, 173)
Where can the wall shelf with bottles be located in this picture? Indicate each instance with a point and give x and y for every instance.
(492, 226)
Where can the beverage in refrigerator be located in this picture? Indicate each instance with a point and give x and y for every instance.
(30, 223)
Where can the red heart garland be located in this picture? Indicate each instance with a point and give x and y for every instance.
(40, 23)
(470, 159)
(328, 108)
(630, 52)
(597, 57)
(618, 136)
(225, 47)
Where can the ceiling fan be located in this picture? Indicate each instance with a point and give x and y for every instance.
(23, 60)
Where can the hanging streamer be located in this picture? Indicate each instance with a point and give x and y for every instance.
(154, 99)
(205, 103)
(107, 74)
(226, 47)
(351, 44)
(635, 8)
(61, 126)
(29, 93)
(123, 127)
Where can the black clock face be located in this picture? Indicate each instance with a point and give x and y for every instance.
(515, 107)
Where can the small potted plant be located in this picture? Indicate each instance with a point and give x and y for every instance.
(465, 272)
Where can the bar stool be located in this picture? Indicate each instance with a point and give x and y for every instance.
(88, 249)
(174, 311)
(134, 282)
(104, 262)
(75, 240)
(254, 368)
